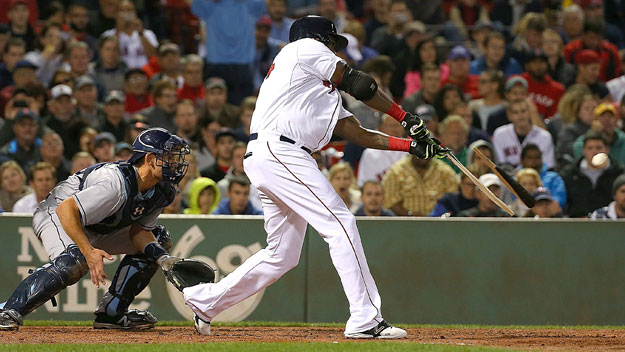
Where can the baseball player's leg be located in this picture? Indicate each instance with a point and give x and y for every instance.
(285, 236)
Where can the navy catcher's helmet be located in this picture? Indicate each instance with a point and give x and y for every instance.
(319, 28)
(170, 152)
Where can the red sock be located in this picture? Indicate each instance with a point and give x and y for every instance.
(397, 112)
(401, 144)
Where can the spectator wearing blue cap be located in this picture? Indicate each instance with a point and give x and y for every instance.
(87, 106)
(546, 206)
(24, 148)
(459, 60)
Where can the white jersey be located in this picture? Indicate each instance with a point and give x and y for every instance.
(374, 163)
(131, 46)
(508, 148)
(297, 99)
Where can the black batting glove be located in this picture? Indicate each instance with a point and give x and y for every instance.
(440, 152)
(428, 149)
(415, 127)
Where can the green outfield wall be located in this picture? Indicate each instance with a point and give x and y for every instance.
(427, 271)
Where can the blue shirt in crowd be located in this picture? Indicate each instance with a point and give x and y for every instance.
(554, 182)
(224, 208)
(508, 65)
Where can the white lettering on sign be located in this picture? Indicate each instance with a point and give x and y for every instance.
(28, 237)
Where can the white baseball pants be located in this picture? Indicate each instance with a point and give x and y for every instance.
(293, 193)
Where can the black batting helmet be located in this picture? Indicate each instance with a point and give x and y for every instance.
(319, 28)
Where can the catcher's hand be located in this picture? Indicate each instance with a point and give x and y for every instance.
(183, 273)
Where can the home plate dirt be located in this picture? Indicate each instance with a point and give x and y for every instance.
(530, 339)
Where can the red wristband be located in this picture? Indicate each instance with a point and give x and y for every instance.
(401, 144)
(397, 112)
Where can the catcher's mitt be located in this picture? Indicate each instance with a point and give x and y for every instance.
(183, 273)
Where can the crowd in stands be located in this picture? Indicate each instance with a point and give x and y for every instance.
(535, 85)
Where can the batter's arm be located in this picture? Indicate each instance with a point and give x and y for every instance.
(350, 129)
(69, 215)
(380, 101)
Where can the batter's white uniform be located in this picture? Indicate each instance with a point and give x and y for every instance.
(296, 101)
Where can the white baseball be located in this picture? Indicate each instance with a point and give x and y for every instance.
(600, 160)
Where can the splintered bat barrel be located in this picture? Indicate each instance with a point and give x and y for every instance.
(521, 192)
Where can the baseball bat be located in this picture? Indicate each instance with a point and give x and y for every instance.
(508, 180)
(479, 184)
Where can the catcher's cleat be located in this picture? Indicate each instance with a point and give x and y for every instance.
(383, 331)
(10, 320)
(202, 327)
(133, 319)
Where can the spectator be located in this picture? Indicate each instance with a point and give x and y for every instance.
(366, 52)
(207, 148)
(445, 100)
(543, 91)
(487, 149)
(136, 91)
(62, 120)
(593, 9)
(379, 18)
(509, 139)
(14, 52)
(616, 208)
(105, 18)
(412, 186)
(592, 39)
(52, 153)
(495, 57)
(372, 198)
(77, 56)
(186, 121)
(78, 21)
(406, 57)
(81, 161)
(229, 42)
(462, 109)
(453, 133)
(509, 13)
(425, 53)
(481, 30)
(185, 184)
(329, 10)
(237, 202)
(531, 158)
(589, 188)
(572, 23)
(41, 179)
(217, 107)
(430, 84)
(114, 121)
(491, 88)
(280, 24)
(342, 178)
(87, 136)
(466, 13)
(604, 122)
(203, 197)
(193, 87)
(109, 69)
(87, 106)
(588, 66)
(104, 147)
(374, 163)
(429, 12)
(48, 53)
(576, 112)
(516, 88)
(485, 207)
(546, 206)
(238, 151)
(224, 144)
(528, 36)
(123, 151)
(23, 76)
(136, 126)
(136, 43)
(553, 47)
(452, 203)
(529, 179)
(18, 23)
(458, 61)
(24, 148)
(266, 49)
(161, 114)
(248, 105)
(387, 40)
(168, 62)
(12, 184)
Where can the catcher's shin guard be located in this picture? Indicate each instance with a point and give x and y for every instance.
(46, 281)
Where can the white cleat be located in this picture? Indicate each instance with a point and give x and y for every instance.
(202, 327)
(383, 331)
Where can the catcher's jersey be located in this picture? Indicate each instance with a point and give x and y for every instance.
(108, 198)
(297, 99)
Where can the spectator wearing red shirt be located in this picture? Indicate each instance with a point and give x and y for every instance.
(136, 91)
(193, 88)
(459, 61)
(593, 39)
(543, 90)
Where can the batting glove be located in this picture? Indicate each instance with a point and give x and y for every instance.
(415, 127)
(428, 149)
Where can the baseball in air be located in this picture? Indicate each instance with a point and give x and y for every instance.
(600, 160)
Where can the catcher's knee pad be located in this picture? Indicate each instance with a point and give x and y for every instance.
(46, 281)
(162, 236)
(132, 276)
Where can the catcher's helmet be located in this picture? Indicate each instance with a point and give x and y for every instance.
(170, 152)
(319, 28)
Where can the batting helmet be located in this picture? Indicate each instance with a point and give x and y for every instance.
(317, 27)
(170, 152)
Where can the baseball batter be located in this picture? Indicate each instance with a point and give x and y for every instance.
(298, 109)
(107, 208)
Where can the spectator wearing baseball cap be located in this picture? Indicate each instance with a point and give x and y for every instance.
(546, 206)
(24, 74)
(485, 207)
(542, 89)
(216, 106)
(616, 208)
(123, 151)
(495, 57)
(167, 65)
(592, 39)
(87, 106)
(610, 13)
(515, 88)
(61, 118)
(104, 147)
(588, 64)
(606, 116)
(114, 123)
(24, 148)
(136, 91)
(459, 61)
(266, 49)
(18, 19)
(453, 203)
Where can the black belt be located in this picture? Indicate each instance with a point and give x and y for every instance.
(254, 136)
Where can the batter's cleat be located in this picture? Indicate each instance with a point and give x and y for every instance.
(202, 327)
(133, 319)
(10, 320)
(383, 331)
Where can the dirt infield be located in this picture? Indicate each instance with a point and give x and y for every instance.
(540, 339)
